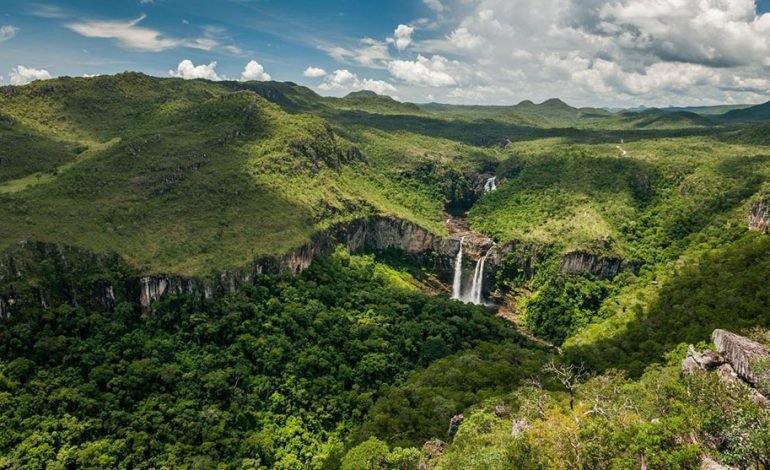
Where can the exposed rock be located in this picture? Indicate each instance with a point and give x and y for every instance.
(709, 464)
(519, 427)
(579, 262)
(454, 425)
(62, 274)
(431, 452)
(706, 360)
(742, 353)
(759, 216)
(502, 411)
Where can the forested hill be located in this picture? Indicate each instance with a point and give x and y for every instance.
(227, 274)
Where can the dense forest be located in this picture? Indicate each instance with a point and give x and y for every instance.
(199, 274)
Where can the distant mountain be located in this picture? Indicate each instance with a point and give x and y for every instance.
(370, 101)
(550, 112)
(759, 112)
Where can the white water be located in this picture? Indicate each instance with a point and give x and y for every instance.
(474, 296)
(478, 282)
(457, 284)
(490, 185)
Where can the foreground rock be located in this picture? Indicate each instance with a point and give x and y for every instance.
(741, 362)
(743, 354)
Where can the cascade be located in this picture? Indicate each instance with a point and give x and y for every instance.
(458, 279)
(478, 282)
(490, 185)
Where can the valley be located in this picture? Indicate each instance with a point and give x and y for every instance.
(222, 274)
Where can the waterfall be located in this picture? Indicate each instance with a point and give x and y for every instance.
(478, 282)
(490, 185)
(458, 280)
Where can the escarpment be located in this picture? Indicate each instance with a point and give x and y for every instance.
(50, 274)
(759, 216)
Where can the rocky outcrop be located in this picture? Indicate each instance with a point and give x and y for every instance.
(743, 355)
(759, 216)
(734, 365)
(454, 425)
(579, 262)
(706, 360)
(431, 453)
(60, 274)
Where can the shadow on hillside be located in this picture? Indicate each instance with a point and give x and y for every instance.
(727, 289)
(486, 132)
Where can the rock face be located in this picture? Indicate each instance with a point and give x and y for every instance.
(62, 274)
(735, 365)
(431, 452)
(706, 360)
(454, 425)
(759, 216)
(579, 262)
(742, 353)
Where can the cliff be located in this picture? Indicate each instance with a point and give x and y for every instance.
(579, 262)
(759, 215)
(49, 274)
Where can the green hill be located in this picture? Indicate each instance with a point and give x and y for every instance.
(193, 176)
(759, 112)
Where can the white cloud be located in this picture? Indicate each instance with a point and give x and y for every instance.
(434, 72)
(372, 53)
(254, 71)
(403, 36)
(21, 75)
(346, 81)
(128, 33)
(187, 70)
(314, 72)
(464, 39)
(7, 32)
(132, 36)
(434, 5)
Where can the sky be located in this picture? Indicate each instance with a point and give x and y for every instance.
(612, 53)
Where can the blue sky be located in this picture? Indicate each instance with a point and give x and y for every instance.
(588, 52)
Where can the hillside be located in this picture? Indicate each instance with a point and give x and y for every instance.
(759, 112)
(171, 173)
(250, 275)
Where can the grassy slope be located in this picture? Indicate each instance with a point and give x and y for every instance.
(192, 176)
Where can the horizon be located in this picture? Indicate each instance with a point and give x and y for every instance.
(613, 55)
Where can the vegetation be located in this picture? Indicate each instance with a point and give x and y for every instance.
(623, 238)
(276, 376)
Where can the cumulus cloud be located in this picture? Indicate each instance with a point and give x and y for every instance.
(347, 81)
(370, 53)
(464, 39)
(604, 51)
(7, 32)
(21, 75)
(402, 36)
(254, 71)
(433, 72)
(314, 72)
(188, 71)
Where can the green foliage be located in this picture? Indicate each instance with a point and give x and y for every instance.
(276, 376)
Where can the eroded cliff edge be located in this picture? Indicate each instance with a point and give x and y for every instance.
(49, 274)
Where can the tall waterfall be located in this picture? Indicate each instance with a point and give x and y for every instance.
(474, 295)
(478, 282)
(457, 284)
(490, 185)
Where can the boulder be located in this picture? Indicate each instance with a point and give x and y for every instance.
(706, 360)
(742, 354)
(709, 464)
